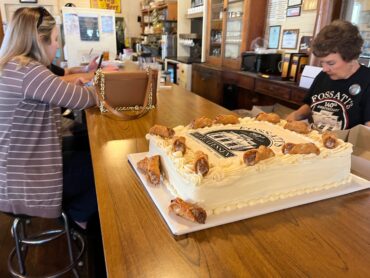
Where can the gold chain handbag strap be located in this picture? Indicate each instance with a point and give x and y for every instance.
(99, 82)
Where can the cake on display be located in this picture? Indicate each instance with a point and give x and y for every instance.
(212, 166)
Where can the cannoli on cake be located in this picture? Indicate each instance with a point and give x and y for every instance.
(303, 148)
(188, 211)
(201, 122)
(178, 144)
(226, 119)
(298, 126)
(268, 117)
(162, 131)
(329, 140)
(254, 156)
(150, 167)
(201, 164)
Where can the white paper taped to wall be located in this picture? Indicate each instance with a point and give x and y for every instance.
(308, 75)
(85, 29)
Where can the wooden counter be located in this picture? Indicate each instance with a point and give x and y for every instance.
(330, 238)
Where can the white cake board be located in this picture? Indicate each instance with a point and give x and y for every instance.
(178, 226)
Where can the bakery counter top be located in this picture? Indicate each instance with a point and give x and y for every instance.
(327, 238)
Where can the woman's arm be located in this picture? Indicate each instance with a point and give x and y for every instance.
(74, 70)
(71, 78)
(42, 85)
(302, 113)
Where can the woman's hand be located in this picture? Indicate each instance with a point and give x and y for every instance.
(93, 65)
(80, 81)
(291, 117)
(302, 113)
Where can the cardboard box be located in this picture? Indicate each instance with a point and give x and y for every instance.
(360, 163)
(308, 75)
(342, 134)
(277, 108)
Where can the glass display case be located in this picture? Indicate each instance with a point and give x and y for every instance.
(233, 24)
(358, 12)
(216, 14)
(233, 30)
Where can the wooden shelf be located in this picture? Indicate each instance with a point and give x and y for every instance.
(169, 8)
(161, 7)
(234, 1)
(151, 34)
(239, 18)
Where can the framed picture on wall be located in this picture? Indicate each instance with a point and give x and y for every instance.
(27, 1)
(294, 2)
(309, 5)
(293, 11)
(289, 39)
(274, 36)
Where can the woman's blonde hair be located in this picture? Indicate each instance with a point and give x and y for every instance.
(28, 30)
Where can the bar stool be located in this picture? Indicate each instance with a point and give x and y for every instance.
(23, 241)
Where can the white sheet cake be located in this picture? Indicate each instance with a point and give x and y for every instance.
(231, 184)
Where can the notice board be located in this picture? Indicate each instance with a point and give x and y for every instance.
(87, 33)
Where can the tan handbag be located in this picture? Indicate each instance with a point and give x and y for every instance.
(127, 95)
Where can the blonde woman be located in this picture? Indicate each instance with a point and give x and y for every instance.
(35, 178)
(31, 166)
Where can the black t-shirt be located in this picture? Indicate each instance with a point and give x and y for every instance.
(340, 104)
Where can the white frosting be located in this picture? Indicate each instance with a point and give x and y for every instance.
(231, 184)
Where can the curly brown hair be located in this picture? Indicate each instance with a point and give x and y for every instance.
(340, 37)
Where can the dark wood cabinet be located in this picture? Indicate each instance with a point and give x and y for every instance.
(297, 95)
(238, 89)
(207, 83)
(275, 90)
(246, 82)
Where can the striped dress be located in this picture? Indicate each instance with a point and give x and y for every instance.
(31, 178)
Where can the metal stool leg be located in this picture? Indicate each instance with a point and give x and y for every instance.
(18, 243)
(22, 240)
(23, 235)
(69, 242)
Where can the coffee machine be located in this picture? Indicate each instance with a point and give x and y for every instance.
(169, 46)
